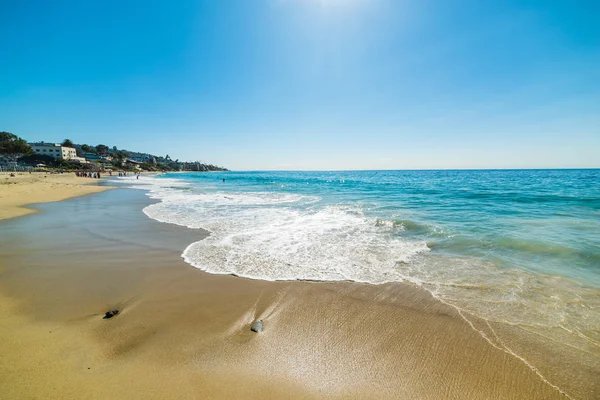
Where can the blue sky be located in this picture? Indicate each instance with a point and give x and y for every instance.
(310, 84)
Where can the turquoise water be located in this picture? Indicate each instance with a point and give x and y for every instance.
(509, 245)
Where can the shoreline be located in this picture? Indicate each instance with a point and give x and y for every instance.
(321, 339)
(25, 189)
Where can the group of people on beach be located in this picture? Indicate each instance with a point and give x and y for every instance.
(91, 174)
(97, 175)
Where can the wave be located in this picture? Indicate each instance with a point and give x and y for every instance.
(289, 236)
(281, 236)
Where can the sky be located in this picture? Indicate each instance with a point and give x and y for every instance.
(310, 84)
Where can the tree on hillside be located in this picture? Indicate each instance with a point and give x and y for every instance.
(115, 149)
(119, 157)
(101, 148)
(12, 146)
(86, 148)
(68, 143)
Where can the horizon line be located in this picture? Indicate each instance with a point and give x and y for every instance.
(399, 169)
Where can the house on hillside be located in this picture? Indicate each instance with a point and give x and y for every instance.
(92, 157)
(57, 151)
(144, 159)
(133, 163)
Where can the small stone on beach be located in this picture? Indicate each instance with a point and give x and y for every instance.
(257, 326)
(110, 314)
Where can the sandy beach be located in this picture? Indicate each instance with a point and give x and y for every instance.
(22, 189)
(300, 199)
(182, 333)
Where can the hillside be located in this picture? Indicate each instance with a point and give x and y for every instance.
(18, 150)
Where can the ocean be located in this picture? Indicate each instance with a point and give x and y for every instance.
(520, 247)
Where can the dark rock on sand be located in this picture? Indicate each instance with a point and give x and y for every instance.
(110, 314)
(257, 326)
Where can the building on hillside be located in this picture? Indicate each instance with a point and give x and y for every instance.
(132, 163)
(57, 151)
(97, 158)
(144, 159)
(92, 157)
(194, 166)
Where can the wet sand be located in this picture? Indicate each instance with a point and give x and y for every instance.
(17, 191)
(182, 333)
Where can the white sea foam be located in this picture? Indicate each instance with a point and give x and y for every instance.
(281, 236)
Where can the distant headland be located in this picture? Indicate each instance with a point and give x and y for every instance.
(18, 153)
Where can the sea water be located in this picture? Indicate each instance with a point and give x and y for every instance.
(514, 246)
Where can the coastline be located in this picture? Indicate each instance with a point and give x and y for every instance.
(23, 189)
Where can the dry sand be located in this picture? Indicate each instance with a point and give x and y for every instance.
(182, 333)
(40, 187)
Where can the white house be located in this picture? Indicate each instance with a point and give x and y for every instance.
(57, 151)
